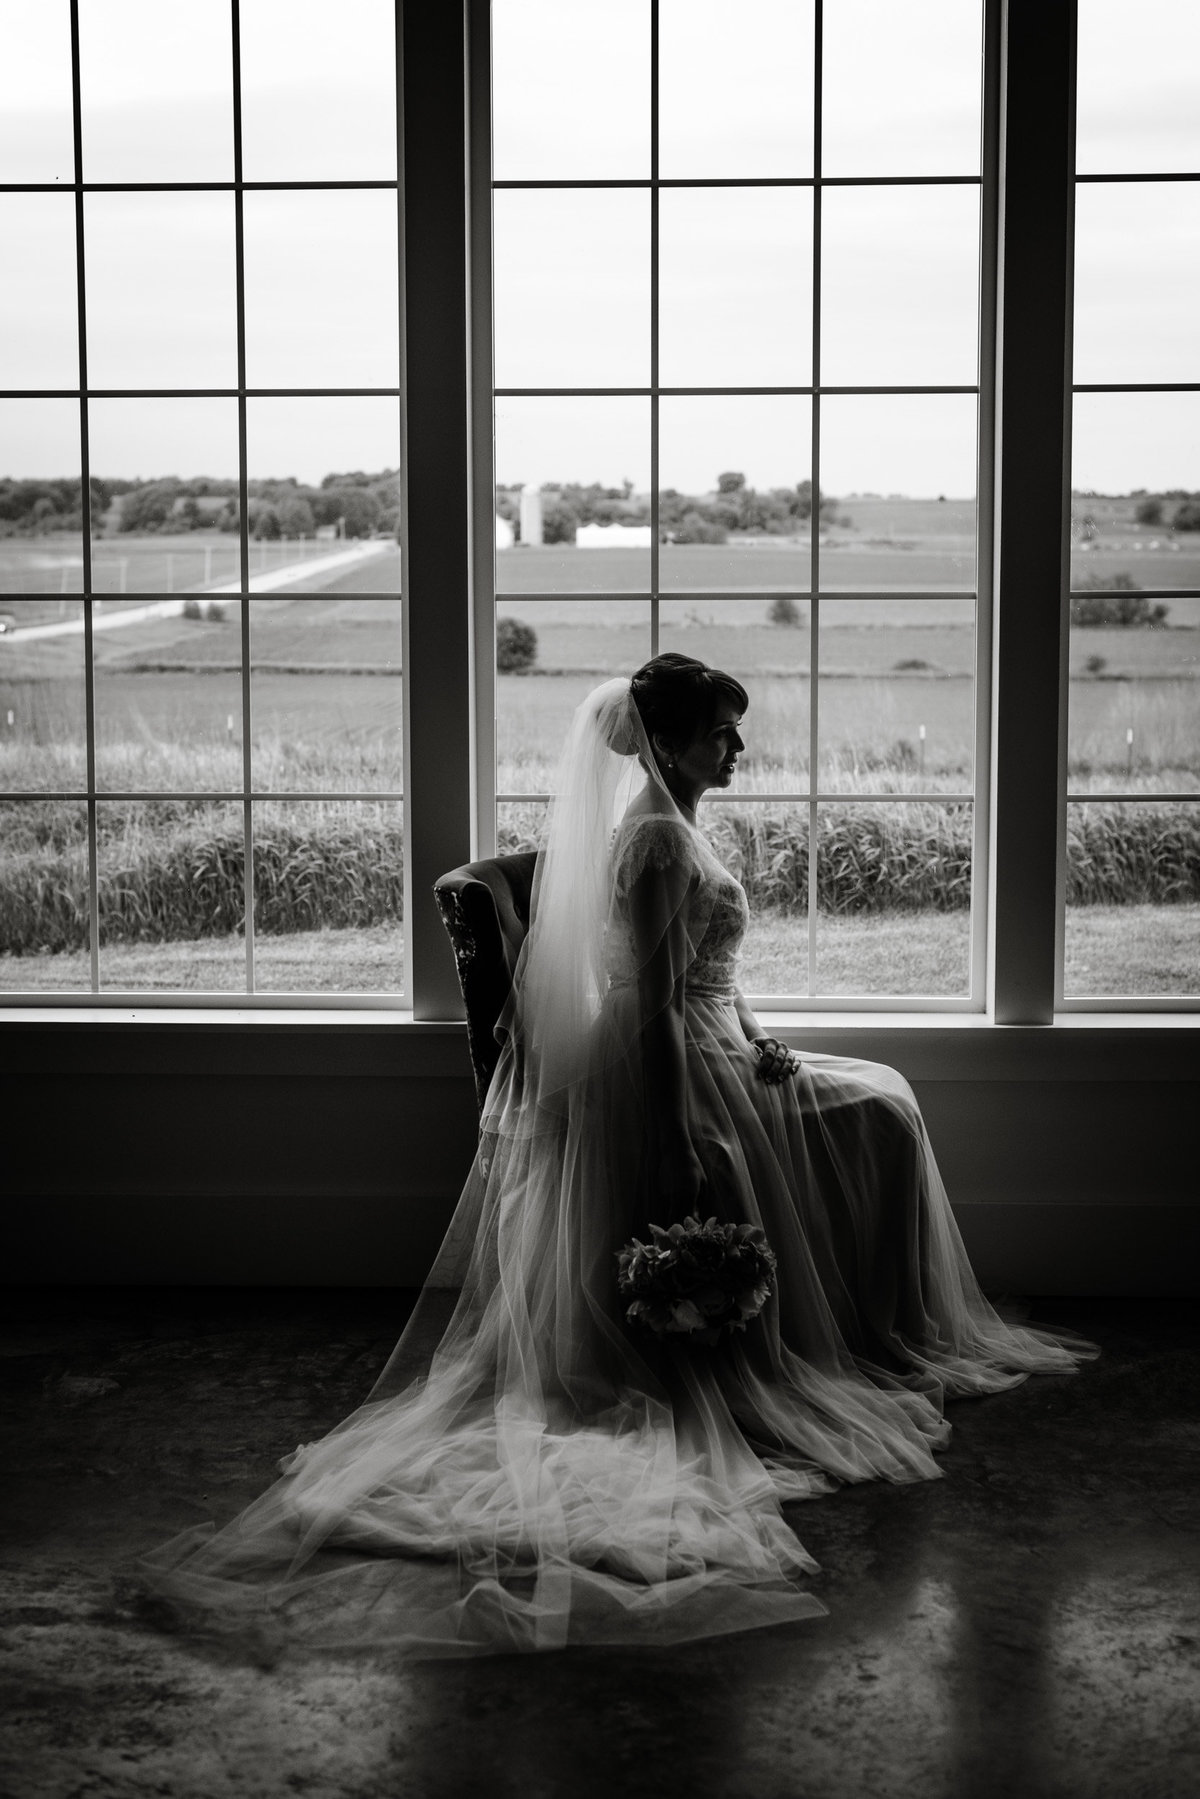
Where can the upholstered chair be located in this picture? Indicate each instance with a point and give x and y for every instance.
(485, 909)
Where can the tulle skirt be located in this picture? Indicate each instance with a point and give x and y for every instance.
(530, 1471)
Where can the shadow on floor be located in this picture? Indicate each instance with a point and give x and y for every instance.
(1026, 1627)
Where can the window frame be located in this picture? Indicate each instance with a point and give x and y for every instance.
(247, 796)
(449, 562)
(974, 1002)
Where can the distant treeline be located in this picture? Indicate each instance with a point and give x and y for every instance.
(733, 506)
(361, 503)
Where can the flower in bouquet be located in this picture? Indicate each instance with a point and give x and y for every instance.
(696, 1280)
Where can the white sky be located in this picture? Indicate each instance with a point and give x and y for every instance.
(572, 271)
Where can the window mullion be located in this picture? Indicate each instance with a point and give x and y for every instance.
(85, 515)
(483, 462)
(814, 516)
(239, 254)
(1029, 627)
(435, 483)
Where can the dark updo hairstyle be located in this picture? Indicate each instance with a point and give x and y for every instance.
(677, 696)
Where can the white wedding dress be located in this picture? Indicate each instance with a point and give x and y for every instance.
(530, 1471)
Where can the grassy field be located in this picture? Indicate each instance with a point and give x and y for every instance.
(1110, 950)
(188, 562)
(327, 718)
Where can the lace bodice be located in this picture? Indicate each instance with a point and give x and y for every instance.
(715, 910)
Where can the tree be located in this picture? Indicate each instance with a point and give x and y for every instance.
(296, 518)
(783, 610)
(559, 519)
(516, 646)
(1187, 516)
(1149, 511)
(730, 482)
(360, 509)
(150, 507)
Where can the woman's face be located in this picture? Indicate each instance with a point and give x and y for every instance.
(710, 759)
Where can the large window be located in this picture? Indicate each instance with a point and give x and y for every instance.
(737, 351)
(747, 340)
(1133, 773)
(199, 403)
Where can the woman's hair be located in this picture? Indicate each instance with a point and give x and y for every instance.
(678, 696)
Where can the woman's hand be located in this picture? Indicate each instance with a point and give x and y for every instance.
(776, 1062)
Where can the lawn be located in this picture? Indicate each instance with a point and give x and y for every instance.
(1118, 950)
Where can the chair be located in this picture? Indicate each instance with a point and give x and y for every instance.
(485, 909)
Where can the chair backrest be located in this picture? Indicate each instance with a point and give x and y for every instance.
(485, 909)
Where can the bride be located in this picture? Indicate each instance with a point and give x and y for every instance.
(532, 1469)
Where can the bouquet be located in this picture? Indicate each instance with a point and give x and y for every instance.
(696, 1280)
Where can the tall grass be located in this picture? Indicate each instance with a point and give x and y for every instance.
(913, 857)
(1129, 855)
(176, 870)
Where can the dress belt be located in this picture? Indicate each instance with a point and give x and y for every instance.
(696, 989)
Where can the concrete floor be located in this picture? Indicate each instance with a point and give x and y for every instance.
(1027, 1627)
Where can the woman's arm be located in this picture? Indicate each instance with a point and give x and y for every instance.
(776, 1062)
(658, 916)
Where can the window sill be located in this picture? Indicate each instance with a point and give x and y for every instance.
(366, 1042)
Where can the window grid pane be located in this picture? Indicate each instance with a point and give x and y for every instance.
(701, 501)
(139, 730)
(1131, 881)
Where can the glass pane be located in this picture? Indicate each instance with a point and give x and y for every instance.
(324, 484)
(903, 466)
(1129, 451)
(318, 100)
(157, 90)
(572, 495)
(766, 848)
(169, 469)
(39, 324)
(766, 647)
(41, 546)
(326, 695)
(171, 896)
(894, 899)
(549, 654)
(44, 908)
(735, 287)
(169, 698)
(1133, 900)
(1136, 106)
(161, 300)
(899, 286)
(1134, 717)
(897, 697)
(735, 96)
(520, 826)
(1137, 269)
(570, 90)
(901, 87)
(736, 503)
(43, 737)
(36, 132)
(572, 288)
(329, 319)
(329, 897)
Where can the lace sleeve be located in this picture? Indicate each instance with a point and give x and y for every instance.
(650, 841)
